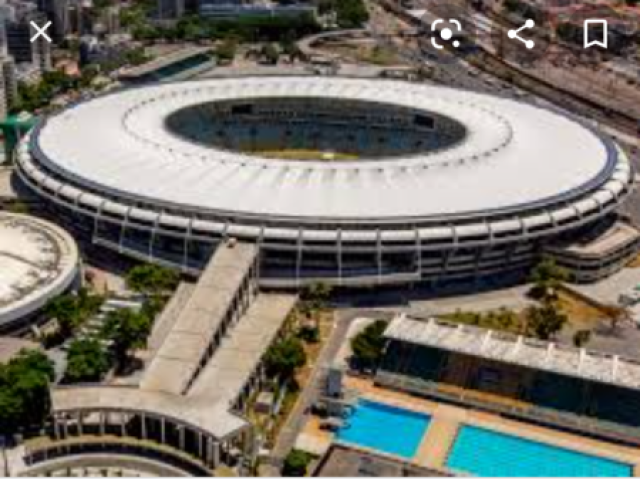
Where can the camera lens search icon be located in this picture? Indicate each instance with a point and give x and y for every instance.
(445, 32)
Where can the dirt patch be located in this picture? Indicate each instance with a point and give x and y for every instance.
(582, 315)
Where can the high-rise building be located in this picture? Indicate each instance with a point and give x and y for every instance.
(19, 45)
(168, 9)
(10, 80)
(4, 106)
(8, 85)
(57, 11)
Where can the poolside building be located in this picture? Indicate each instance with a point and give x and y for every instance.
(556, 385)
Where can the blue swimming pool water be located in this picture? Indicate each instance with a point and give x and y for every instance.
(485, 453)
(385, 428)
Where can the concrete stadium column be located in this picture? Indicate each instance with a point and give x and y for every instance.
(123, 424)
(339, 256)
(379, 255)
(79, 422)
(163, 431)
(299, 258)
(152, 239)
(56, 427)
(143, 426)
(65, 425)
(216, 453)
(419, 250)
(103, 420)
(200, 446)
(185, 254)
(181, 432)
(209, 453)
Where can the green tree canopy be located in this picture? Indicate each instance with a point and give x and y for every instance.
(295, 463)
(72, 310)
(152, 279)
(284, 357)
(547, 277)
(24, 391)
(270, 53)
(367, 346)
(545, 320)
(349, 13)
(128, 330)
(227, 50)
(87, 361)
(581, 338)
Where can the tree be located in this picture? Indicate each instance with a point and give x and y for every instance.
(64, 310)
(270, 54)
(24, 391)
(581, 338)
(545, 320)
(227, 50)
(87, 361)
(318, 293)
(152, 279)
(72, 310)
(128, 330)
(368, 345)
(295, 463)
(309, 333)
(547, 277)
(292, 50)
(284, 357)
(350, 13)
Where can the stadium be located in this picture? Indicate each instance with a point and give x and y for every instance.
(353, 182)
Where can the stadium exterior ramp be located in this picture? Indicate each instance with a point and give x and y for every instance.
(194, 391)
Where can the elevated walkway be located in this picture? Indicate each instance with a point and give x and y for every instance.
(239, 358)
(207, 362)
(221, 296)
(167, 319)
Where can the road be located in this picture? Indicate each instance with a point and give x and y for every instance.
(571, 88)
(298, 416)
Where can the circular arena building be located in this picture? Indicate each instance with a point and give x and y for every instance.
(347, 181)
(38, 261)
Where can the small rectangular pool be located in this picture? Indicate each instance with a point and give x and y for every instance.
(384, 428)
(485, 453)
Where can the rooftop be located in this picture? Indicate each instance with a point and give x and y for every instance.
(37, 261)
(163, 61)
(518, 350)
(535, 156)
(177, 359)
(612, 239)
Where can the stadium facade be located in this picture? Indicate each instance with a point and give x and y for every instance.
(347, 181)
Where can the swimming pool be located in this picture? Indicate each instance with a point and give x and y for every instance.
(486, 453)
(384, 428)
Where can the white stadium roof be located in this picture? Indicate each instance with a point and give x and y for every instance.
(515, 156)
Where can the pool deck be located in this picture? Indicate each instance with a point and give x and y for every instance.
(447, 419)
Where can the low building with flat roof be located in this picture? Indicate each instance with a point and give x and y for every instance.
(545, 382)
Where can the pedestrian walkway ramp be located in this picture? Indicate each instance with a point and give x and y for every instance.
(223, 292)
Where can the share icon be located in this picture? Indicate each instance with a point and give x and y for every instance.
(514, 34)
